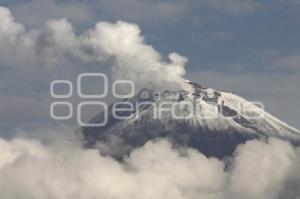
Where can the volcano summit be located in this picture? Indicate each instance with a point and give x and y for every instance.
(211, 121)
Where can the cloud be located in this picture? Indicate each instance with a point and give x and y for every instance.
(120, 42)
(30, 169)
(30, 58)
(13, 38)
(255, 175)
(9, 28)
(57, 167)
(135, 60)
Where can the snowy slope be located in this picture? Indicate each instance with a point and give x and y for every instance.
(211, 121)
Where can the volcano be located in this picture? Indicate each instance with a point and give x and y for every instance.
(210, 121)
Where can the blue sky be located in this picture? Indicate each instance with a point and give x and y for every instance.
(247, 46)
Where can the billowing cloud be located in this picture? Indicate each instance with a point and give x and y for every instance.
(9, 28)
(14, 41)
(57, 167)
(134, 59)
(260, 170)
(30, 58)
(120, 42)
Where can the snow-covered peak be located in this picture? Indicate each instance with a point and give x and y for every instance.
(212, 121)
(219, 111)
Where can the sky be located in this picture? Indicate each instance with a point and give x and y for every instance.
(249, 47)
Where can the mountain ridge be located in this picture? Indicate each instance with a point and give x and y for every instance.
(216, 127)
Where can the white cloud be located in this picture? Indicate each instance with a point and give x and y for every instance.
(260, 169)
(31, 58)
(13, 39)
(9, 28)
(121, 42)
(57, 167)
(135, 60)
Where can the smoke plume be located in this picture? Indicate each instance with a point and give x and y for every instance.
(119, 44)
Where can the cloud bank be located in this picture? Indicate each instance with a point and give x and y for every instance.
(119, 44)
(57, 167)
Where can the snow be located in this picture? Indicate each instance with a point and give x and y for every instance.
(200, 121)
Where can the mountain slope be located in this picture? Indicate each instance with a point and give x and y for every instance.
(211, 121)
